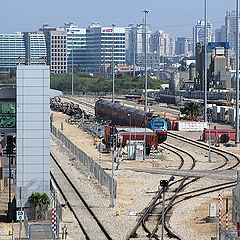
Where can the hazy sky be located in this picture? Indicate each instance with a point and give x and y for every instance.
(175, 17)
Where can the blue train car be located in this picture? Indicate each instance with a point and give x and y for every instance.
(159, 125)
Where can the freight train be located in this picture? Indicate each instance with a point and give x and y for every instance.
(127, 116)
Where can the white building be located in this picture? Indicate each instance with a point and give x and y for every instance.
(76, 46)
(198, 33)
(136, 41)
(160, 43)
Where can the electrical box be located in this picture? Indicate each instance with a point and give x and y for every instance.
(212, 210)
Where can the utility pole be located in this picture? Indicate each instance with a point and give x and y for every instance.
(72, 64)
(112, 136)
(205, 61)
(113, 25)
(237, 73)
(145, 12)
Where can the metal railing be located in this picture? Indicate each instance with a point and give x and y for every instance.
(103, 178)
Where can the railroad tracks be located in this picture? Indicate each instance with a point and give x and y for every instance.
(179, 196)
(90, 225)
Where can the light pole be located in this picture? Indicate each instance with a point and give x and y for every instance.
(144, 152)
(72, 63)
(209, 139)
(130, 136)
(237, 73)
(145, 13)
(205, 61)
(113, 25)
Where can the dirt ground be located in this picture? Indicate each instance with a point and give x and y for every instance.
(127, 183)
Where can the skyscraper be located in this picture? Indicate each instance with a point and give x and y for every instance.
(160, 43)
(136, 41)
(198, 33)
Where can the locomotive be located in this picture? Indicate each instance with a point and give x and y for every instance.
(127, 116)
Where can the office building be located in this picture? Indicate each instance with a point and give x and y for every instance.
(160, 43)
(56, 41)
(221, 34)
(198, 33)
(76, 47)
(183, 46)
(135, 44)
(172, 46)
(103, 44)
(27, 48)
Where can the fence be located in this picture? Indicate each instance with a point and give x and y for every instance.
(103, 178)
(230, 235)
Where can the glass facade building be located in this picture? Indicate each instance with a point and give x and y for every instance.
(29, 48)
(12, 48)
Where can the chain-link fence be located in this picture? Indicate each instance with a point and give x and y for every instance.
(103, 178)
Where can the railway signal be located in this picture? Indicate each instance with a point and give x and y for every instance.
(164, 185)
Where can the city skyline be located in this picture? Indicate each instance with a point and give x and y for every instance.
(177, 21)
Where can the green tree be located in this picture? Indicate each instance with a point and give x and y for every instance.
(192, 110)
(39, 200)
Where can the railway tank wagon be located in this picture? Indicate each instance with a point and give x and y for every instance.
(127, 116)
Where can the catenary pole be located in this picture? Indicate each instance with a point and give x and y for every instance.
(237, 73)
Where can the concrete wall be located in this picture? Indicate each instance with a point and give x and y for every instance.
(33, 134)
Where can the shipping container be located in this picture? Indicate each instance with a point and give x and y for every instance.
(192, 126)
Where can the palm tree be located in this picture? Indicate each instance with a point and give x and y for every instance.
(192, 110)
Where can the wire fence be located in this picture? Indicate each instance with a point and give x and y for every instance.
(104, 178)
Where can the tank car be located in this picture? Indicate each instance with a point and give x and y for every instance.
(127, 116)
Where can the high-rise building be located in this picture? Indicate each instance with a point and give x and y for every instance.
(221, 34)
(136, 41)
(160, 43)
(183, 46)
(56, 41)
(198, 33)
(76, 46)
(103, 44)
(27, 47)
(35, 45)
(230, 25)
(172, 46)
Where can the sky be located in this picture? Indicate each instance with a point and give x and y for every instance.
(175, 17)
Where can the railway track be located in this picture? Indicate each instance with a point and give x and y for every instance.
(90, 225)
(178, 197)
(80, 102)
(228, 156)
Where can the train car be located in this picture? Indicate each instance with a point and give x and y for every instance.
(127, 116)
(159, 125)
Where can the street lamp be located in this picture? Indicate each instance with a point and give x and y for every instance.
(72, 63)
(205, 61)
(237, 73)
(145, 13)
(113, 25)
(130, 136)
